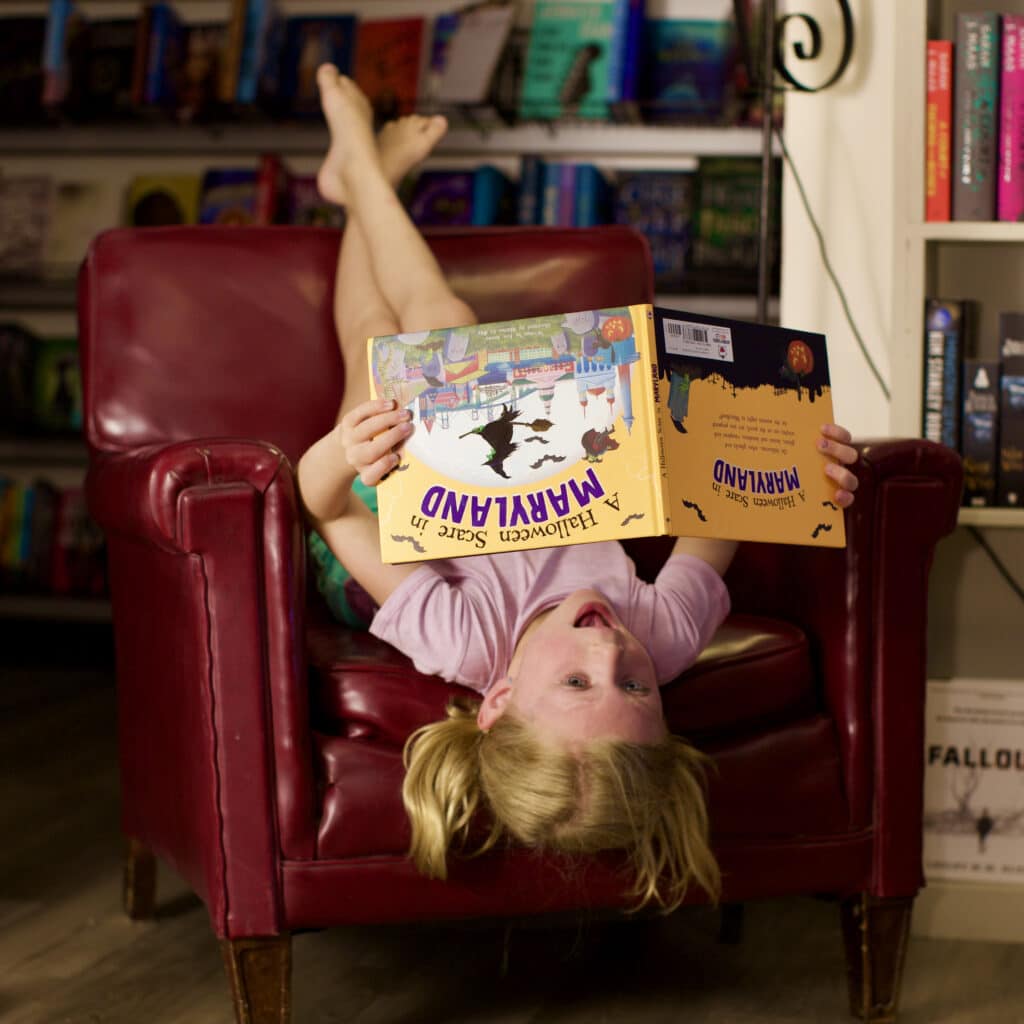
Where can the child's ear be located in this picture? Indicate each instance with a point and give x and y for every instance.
(493, 704)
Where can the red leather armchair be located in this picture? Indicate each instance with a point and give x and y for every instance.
(260, 743)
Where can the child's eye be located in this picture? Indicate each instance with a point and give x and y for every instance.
(634, 686)
(576, 682)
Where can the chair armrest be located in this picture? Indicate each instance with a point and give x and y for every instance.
(207, 568)
(864, 609)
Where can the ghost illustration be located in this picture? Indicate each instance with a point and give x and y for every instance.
(416, 338)
(456, 344)
(580, 323)
(559, 344)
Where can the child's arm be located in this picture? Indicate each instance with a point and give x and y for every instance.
(835, 443)
(362, 445)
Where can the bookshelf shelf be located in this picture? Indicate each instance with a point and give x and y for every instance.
(1007, 518)
(48, 606)
(971, 231)
(38, 451)
(56, 294)
(579, 140)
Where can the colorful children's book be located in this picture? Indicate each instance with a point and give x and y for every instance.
(601, 425)
(390, 56)
(229, 196)
(158, 199)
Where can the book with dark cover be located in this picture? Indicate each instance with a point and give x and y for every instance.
(17, 373)
(661, 205)
(101, 75)
(21, 69)
(389, 57)
(305, 206)
(78, 560)
(725, 256)
(198, 76)
(975, 105)
(948, 341)
(643, 421)
(57, 387)
(228, 196)
(442, 198)
(168, 39)
(979, 443)
(687, 69)
(308, 43)
(531, 177)
(591, 200)
(1010, 477)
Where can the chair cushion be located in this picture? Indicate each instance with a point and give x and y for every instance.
(756, 672)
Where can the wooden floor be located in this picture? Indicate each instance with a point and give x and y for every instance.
(68, 955)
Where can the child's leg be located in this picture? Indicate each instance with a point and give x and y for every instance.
(405, 269)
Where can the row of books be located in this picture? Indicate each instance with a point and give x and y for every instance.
(620, 59)
(975, 405)
(974, 126)
(48, 542)
(702, 225)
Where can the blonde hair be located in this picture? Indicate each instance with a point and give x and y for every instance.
(645, 799)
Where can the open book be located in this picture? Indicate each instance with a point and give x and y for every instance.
(602, 425)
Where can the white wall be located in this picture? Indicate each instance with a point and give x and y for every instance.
(841, 142)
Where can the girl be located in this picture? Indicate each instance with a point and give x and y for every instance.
(567, 748)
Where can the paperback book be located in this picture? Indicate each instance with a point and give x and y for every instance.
(631, 421)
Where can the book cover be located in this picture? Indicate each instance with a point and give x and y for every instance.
(231, 58)
(975, 99)
(60, 26)
(26, 211)
(551, 183)
(566, 194)
(305, 205)
(938, 113)
(627, 108)
(81, 210)
(154, 200)
(1010, 477)
(198, 75)
(140, 61)
(101, 86)
(591, 199)
(493, 197)
(973, 807)
(687, 69)
(271, 189)
(168, 39)
(389, 56)
(948, 340)
(257, 35)
(465, 67)
(570, 60)
(57, 387)
(21, 68)
(1010, 188)
(442, 197)
(308, 43)
(605, 424)
(661, 205)
(78, 563)
(228, 196)
(979, 444)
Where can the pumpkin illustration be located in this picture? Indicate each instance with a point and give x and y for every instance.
(799, 358)
(616, 328)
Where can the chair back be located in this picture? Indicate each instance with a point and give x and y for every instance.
(190, 332)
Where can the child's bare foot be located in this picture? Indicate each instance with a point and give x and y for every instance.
(349, 119)
(400, 145)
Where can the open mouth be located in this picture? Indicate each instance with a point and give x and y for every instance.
(594, 614)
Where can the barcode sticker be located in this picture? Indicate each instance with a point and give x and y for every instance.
(705, 341)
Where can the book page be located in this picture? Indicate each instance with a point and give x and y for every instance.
(742, 406)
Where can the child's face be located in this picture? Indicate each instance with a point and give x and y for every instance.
(578, 674)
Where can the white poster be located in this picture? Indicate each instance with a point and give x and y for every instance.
(974, 781)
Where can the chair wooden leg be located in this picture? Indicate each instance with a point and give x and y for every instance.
(875, 934)
(260, 973)
(139, 887)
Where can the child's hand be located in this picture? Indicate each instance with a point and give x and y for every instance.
(370, 433)
(835, 442)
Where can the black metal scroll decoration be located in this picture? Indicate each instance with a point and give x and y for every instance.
(814, 52)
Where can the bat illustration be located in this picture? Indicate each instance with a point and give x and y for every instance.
(696, 508)
(539, 440)
(821, 528)
(409, 540)
(546, 458)
(828, 504)
(631, 517)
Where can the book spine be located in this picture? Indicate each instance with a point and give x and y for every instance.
(55, 71)
(643, 326)
(487, 188)
(975, 93)
(269, 188)
(566, 195)
(980, 426)
(257, 17)
(158, 38)
(628, 107)
(140, 64)
(617, 46)
(1010, 477)
(227, 88)
(937, 143)
(945, 349)
(530, 178)
(549, 193)
(1010, 198)
(588, 196)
